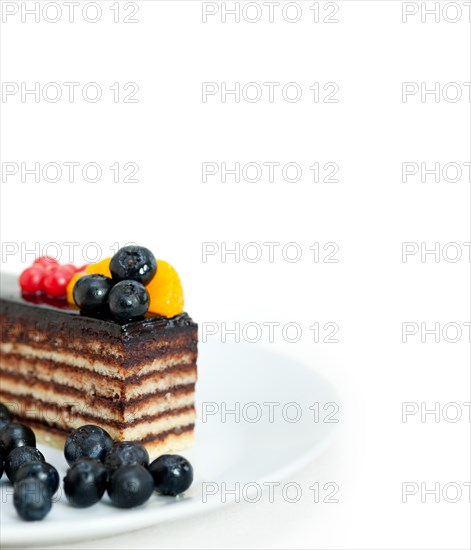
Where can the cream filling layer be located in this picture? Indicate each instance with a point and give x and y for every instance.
(18, 398)
(103, 368)
(97, 385)
(137, 431)
(96, 344)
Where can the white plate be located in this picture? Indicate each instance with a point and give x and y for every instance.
(228, 450)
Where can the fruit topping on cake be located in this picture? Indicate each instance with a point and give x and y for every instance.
(128, 285)
(47, 276)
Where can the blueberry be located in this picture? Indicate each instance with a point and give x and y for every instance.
(172, 474)
(88, 441)
(42, 471)
(5, 416)
(130, 486)
(91, 292)
(31, 499)
(18, 457)
(133, 262)
(126, 453)
(85, 482)
(17, 435)
(128, 300)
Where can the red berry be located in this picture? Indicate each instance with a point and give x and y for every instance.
(47, 262)
(31, 279)
(82, 267)
(55, 283)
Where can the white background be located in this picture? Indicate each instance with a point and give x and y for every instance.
(369, 293)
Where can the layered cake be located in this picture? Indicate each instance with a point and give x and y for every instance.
(122, 356)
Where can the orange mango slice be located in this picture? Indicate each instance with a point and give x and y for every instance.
(165, 291)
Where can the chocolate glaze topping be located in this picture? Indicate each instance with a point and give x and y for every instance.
(64, 317)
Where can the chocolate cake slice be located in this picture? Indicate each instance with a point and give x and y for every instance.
(61, 368)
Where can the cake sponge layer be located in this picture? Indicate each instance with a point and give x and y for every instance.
(32, 370)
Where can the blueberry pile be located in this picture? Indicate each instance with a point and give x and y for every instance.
(124, 294)
(97, 465)
(34, 480)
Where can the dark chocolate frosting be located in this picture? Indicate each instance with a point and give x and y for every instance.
(38, 307)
